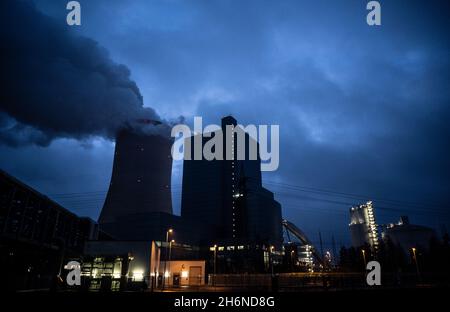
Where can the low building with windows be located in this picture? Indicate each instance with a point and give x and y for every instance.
(37, 236)
(139, 265)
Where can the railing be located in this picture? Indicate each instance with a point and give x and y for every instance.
(318, 281)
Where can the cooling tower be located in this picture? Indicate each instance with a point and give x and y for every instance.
(139, 194)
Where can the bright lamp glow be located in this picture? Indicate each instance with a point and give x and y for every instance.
(184, 274)
(138, 275)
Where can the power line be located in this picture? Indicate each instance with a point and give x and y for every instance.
(356, 196)
(289, 190)
(360, 197)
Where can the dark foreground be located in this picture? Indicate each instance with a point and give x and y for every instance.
(362, 299)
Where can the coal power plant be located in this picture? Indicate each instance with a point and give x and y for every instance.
(230, 227)
(229, 222)
(223, 201)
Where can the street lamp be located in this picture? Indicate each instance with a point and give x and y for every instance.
(364, 258)
(168, 232)
(215, 257)
(170, 257)
(415, 260)
(127, 277)
(292, 260)
(271, 258)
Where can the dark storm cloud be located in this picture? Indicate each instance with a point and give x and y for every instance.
(58, 84)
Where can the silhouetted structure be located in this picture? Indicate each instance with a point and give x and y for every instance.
(306, 247)
(37, 236)
(408, 236)
(138, 205)
(224, 201)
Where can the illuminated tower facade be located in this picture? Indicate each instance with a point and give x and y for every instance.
(363, 227)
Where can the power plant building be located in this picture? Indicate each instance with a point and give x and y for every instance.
(224, 200)
(408, 236)
(363, 228)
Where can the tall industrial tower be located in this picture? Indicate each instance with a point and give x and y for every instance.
(363, 228)
(139, 195)
(224, 200)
